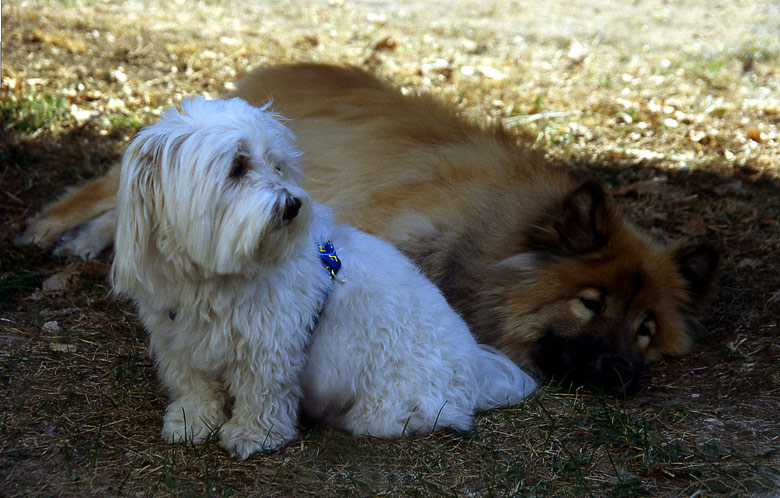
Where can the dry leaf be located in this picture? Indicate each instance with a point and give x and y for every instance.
(94, 269)
(64, 280)
(695, 226)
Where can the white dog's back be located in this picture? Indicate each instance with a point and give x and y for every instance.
(390, 357)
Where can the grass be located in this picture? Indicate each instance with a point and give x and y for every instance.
(749, 55)
(20, 273)
(86, 420)
(32, 112)
(572, 465)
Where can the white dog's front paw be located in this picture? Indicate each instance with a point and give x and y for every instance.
(242, 441)
(192, 423)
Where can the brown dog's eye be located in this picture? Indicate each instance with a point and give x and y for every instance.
(594, 305)
(239, 167)
(646, 329)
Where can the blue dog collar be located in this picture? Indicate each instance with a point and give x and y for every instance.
(330, 260)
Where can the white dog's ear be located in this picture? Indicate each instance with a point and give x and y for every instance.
(137, 221)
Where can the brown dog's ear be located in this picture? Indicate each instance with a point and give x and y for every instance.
(697, 264)
(578, 225)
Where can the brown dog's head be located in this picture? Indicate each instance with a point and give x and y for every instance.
(591, 300)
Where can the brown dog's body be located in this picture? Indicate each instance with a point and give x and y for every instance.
(538, 261)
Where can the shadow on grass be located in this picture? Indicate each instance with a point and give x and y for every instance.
(87, 421)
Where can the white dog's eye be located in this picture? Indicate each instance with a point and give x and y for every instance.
(278, 168)
(239, 167)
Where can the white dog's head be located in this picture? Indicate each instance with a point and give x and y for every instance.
(213, 190)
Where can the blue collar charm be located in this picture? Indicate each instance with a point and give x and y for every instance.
(330, 260)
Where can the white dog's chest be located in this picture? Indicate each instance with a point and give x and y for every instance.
(249, 330)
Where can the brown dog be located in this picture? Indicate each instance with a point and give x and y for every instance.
(538, 261)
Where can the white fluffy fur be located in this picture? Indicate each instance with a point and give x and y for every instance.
(229, 289)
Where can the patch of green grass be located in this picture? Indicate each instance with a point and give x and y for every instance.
(176, 462)
(621, 427)
(636, 115)
(131, 370)
(33, 112)
(714, 65)
(12, 154)
(552, 135)
(121, 120)
(538, 104)
(750, 54)
(20, 273)
(633, 452)
(714, 70)
(624, 487)
(17, 282)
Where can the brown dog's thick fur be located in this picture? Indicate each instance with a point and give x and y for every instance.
(538, 260)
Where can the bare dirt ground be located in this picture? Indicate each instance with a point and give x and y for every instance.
(674, 105)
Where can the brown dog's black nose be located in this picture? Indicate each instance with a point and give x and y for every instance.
(618, 375)
(291, 207)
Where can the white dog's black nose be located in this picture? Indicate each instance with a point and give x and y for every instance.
(291, 207)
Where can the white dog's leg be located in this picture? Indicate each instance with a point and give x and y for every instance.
(265, 412)
(198, 406)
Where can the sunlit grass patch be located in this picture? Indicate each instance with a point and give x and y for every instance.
(32, 112)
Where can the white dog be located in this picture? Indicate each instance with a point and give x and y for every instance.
(256, 300)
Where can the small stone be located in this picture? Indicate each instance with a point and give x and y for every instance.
(118, 75)
(491, 73)
(697, 135)
(577, 52)
(51, 326)
(62, 348)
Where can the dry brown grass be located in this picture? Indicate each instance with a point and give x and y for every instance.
(676, 105)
